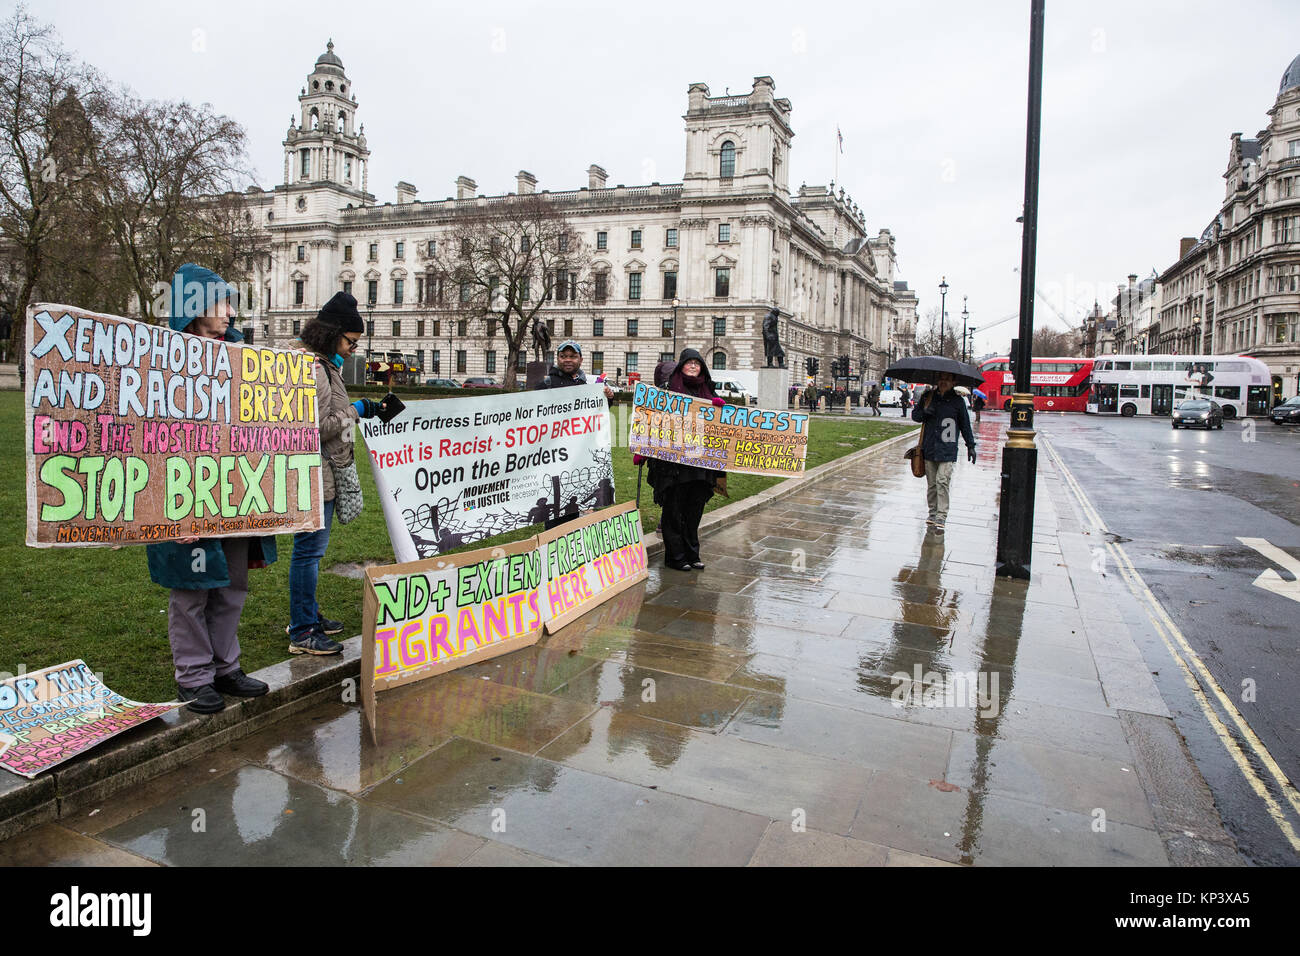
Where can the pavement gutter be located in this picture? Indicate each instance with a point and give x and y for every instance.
(297, 684)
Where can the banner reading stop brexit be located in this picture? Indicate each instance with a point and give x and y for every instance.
(137, 434)
(454, 471)
(735, 438)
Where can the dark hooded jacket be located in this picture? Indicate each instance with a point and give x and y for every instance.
(945, 419)
(664, 475)
(556, 378)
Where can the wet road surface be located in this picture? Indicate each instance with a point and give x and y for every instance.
(838, 686)
(1178, 502)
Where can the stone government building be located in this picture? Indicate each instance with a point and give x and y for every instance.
(727, 242)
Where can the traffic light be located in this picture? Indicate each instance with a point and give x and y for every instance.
(814, 366)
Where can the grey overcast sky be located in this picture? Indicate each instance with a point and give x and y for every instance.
(1140, 99)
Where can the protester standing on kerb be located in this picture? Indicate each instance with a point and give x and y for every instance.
(565, 373)
(682, 491)
(943, 414)
(333, 336)
(208, 577)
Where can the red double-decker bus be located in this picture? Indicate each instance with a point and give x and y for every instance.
(1058, 384)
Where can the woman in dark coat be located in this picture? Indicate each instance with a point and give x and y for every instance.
(683, 490)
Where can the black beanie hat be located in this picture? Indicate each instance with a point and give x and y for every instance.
(342, 311)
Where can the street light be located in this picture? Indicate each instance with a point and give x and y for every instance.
(964, 316)
(370, 340)
(676, 303)
(943, 308)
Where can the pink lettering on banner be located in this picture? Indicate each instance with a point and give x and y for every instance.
(467, 627)
(496, 623)
(383, 644)
(409, 630)
(556, 597)
(438, 635)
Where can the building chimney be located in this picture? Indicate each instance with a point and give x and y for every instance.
(1185, 246)
(405, 193)
(465, 187)
(596, 177)
(525, 182)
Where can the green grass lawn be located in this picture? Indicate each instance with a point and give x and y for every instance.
(99, 605)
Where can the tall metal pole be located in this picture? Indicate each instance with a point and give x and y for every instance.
(675, 303)
(1020, 454)
(943, 309)
(964, 316)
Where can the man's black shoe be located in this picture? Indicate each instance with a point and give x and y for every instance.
(239, 684)
(202, 700)
(328, 626)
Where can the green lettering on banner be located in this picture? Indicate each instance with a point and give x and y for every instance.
(205, 479)
(228, 507)
(113, 489)
(54, 472)
(137, 479)
(180, 499)
(302, 464)
(279, 491)
(254, 496)
(392, 601)
(91, 467)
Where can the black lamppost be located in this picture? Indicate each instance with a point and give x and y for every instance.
(964, 316)
(1020, 454)
(370, 339)
(970, 351)
(943, 308)
(676, 303)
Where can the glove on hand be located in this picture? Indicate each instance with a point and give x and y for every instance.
(970, 453)
(719, 402)
(638, 460)
(366, 408)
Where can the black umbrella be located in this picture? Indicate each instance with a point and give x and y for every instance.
(926, 369)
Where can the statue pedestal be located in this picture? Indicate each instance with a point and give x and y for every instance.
(774, 388)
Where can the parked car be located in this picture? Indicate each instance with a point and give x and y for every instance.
(890, 398)
(480, 382)
(1286, 413)
(1198, 411)
(442, 382)
(733, 391)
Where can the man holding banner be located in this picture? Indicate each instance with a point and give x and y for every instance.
(208, 577)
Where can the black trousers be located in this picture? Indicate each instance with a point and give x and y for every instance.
(680, 523)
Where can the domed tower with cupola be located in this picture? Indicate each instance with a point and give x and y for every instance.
(325, 146)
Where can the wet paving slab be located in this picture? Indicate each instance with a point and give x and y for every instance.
(837, 687)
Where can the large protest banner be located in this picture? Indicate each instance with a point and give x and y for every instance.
(138, 434)
(735, 438)
(51, 715)
(425, 617)
(588, 561)
(454, 471)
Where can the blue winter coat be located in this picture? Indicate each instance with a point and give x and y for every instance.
(932, 415)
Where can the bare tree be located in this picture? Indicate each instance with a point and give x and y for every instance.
(927, 338)
(43, 147)
(1052, 343)
(166, 181)
(505, 262)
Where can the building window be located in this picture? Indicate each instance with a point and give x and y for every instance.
(397, 327)
(521, 361)
(419, 358)
(634, 285)
(562, 243)
(550, 326)
(347, 253)
(724, 232)
(524, 294)
(399, 291)
(597, 327)
(302, 253)
(602, 240)
(719, 360)
(491, 328)
(374, 251)
(568, 328)
(727, 161)
(670, 238)
(464, 291)
(636, 238)
(561, 287)
(347, 286)
(297, 327)
(719, 325)
(460, 360)
(460, 327)
(419, 328)
(670, 285)
(347, 169)
(722, 283)
(437, 328)
(490, 361)
(597, 362)
(524, 244)
(437, 361)
(372, 291)
(666, 329)
(631, 361)
(399, 250)
(602, 284)
(306, 163)
(297, 292)
(631, 328)
(419, 289)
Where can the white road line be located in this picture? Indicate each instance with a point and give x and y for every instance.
(1192, 667)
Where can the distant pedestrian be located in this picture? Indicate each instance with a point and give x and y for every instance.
(904, 399)
(873, 398)
(978, 405)
(942, 412)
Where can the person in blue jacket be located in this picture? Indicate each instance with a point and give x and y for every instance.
(208, 577)
(943, 414)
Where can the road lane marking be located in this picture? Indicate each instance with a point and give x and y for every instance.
(1270, 580)
(1171, 636)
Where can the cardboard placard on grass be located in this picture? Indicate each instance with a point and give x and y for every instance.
(588, 561)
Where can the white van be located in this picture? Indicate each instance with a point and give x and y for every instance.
(733, 391)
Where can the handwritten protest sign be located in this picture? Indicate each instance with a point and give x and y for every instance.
(735, 438)
(52, 715)
(454, 471)
(425, 617)
(137, 434)
(588, 561)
